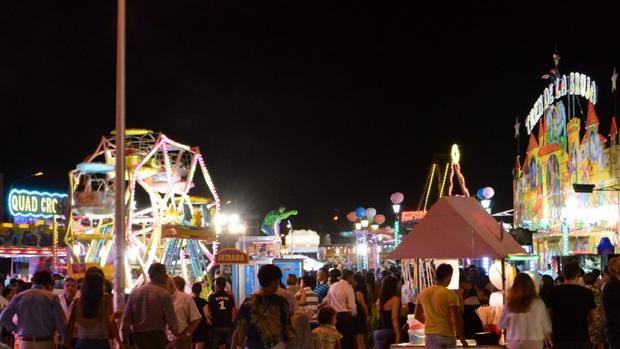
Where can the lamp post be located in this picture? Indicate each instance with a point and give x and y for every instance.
(397, 237)
(120, 243)
(37, 174)
(396, 199)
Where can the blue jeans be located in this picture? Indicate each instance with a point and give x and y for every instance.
(92, 344)
(384, 337)
(437, 341)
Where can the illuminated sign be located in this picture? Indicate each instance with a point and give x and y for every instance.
(410, 216)
(231, 256)
(574, 84)
(26, 203)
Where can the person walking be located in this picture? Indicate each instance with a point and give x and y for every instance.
(91, 315)
(322, 286)
(264, 319)
(221, 311)
(308, 299)
(361, 319)
(596, 325)
(69, 291)
(438, 308)
(148, 311)
(546, 286)
(525, 316)
(188, 316)
(326, 336)
(470, 301)
(291, 284)
(388, 309)
(39, 314)
(341, 297)
(611, 304)
(570, 306)
(199, 337)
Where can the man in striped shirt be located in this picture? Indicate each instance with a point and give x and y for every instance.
(321, 286)
(308, 299)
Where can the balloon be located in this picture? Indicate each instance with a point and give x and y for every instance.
(371, 213)
(480, 193)
(488, 192)
(397, 198)
(360, 212)
(352, 217)
(379, 219)
(495, 274)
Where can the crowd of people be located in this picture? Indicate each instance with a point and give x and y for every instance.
(328, 309)
(578, 310)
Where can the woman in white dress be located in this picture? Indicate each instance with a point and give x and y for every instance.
(525, 316)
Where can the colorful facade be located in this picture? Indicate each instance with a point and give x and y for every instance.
(566, 151)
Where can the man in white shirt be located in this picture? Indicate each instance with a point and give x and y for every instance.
(70, 290)
(188, 316)
(341, 297)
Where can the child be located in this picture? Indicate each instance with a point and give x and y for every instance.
(326, 336)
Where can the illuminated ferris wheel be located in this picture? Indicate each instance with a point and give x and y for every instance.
(164, 222)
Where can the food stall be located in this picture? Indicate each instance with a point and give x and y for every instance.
(456, 227)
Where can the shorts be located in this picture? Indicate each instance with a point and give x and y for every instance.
(222, 335)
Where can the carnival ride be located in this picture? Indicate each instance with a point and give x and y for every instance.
(440, 181)
(164, 223)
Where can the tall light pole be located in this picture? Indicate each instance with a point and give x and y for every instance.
(119, 184)
(396, 199)
(37, 174)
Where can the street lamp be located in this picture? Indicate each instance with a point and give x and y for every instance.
(396, 199)
(230, 223)
(37, 174)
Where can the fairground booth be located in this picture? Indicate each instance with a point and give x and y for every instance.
(32, 240)
(566, 186)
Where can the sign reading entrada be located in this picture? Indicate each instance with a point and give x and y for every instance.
(26, 203)
(574, 84)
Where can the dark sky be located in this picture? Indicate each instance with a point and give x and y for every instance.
(314, 105)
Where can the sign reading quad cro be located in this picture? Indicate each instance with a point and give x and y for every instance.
(27, 203)
(574, 84)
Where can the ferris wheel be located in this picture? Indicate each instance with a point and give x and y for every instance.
(164, 222)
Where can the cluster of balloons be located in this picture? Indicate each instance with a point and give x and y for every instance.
(366, 213)
(485, 193)
(371, 213)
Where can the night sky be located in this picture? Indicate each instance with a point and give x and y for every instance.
(318, 106)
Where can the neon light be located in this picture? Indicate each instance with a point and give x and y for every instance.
(430, 184)
(36, 204)
(396, 232)
(565, 228)
(456, 168)
(410, 216)
(575, 84)
(443, 181)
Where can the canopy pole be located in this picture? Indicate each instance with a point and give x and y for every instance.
(504, 280)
